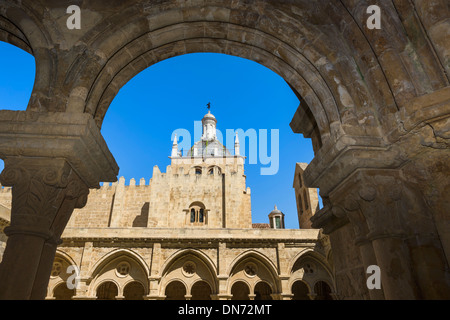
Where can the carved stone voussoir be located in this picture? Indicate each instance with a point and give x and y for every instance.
(70, 136)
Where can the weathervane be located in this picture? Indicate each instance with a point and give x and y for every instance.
(209, 106)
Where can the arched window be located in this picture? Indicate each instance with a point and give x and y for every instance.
(277, 222)
(300, 291)
(107, 291)
(211, 171)
(198, 171)
(134, 291)
(62, 292)
(323, 291)
(300, 204)
(240, 291)
(201, 291)
(305, 199)
(175, 291)
(197, 214)
(263, 291)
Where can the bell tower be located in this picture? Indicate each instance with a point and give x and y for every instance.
(209, 123)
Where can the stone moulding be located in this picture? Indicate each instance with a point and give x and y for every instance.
(205, 235)
(70, 136)
(340, 158)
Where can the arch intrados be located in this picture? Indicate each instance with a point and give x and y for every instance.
(174, 281)
(124, 61)
(131, 281)
(302, 281)
(14, 36)
(309, 254)
(244, 281)
(183, 254)
(65, 256)
(263, 282)
(197, 204)
(24, 22)
(97, 285)
(324, 281)
(313, 101)
(116, 255)
(198, 282)
(257, 256)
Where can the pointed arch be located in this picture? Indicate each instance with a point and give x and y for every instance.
(64, 255)
(117, 253)
(256, 254)
(305, 260)
(261, 269)
(184, 252)
(173, 268)
(314, 255)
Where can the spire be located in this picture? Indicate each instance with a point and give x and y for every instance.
(175, 147)
(236, 146)
(175, 141)
(209, 125)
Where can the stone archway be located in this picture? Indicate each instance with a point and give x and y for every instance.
(300, 291)
(322, 291)
(107, 291)
(62, 292)
(374, 102)
(194, 269)
(263, 291)
(201, 290)
(134, 291)
(175, 290)
(240, 291)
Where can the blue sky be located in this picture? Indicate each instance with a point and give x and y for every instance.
(173, 94)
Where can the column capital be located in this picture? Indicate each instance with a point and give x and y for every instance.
(45, 192)
(73, 137)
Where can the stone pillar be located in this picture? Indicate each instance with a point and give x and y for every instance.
(44, 269)
(44, 194)
(222, 277)
(353, 212)
(51, 161)
(394, 230)
(81, 293)
(154, 277)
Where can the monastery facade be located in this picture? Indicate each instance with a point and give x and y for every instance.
(188, 234)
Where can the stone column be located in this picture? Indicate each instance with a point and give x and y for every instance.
(285, 293)
(44, 194)
(154, 277)
(222, 277)
(353, 212)
(51, 161)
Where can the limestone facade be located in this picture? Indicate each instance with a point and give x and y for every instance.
(187, 234)
(307, 198)
(374, 102)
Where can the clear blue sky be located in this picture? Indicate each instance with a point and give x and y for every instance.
(173, 94)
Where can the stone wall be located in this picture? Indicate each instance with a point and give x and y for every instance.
(307, 198)
(156, 258)
(166, 200)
